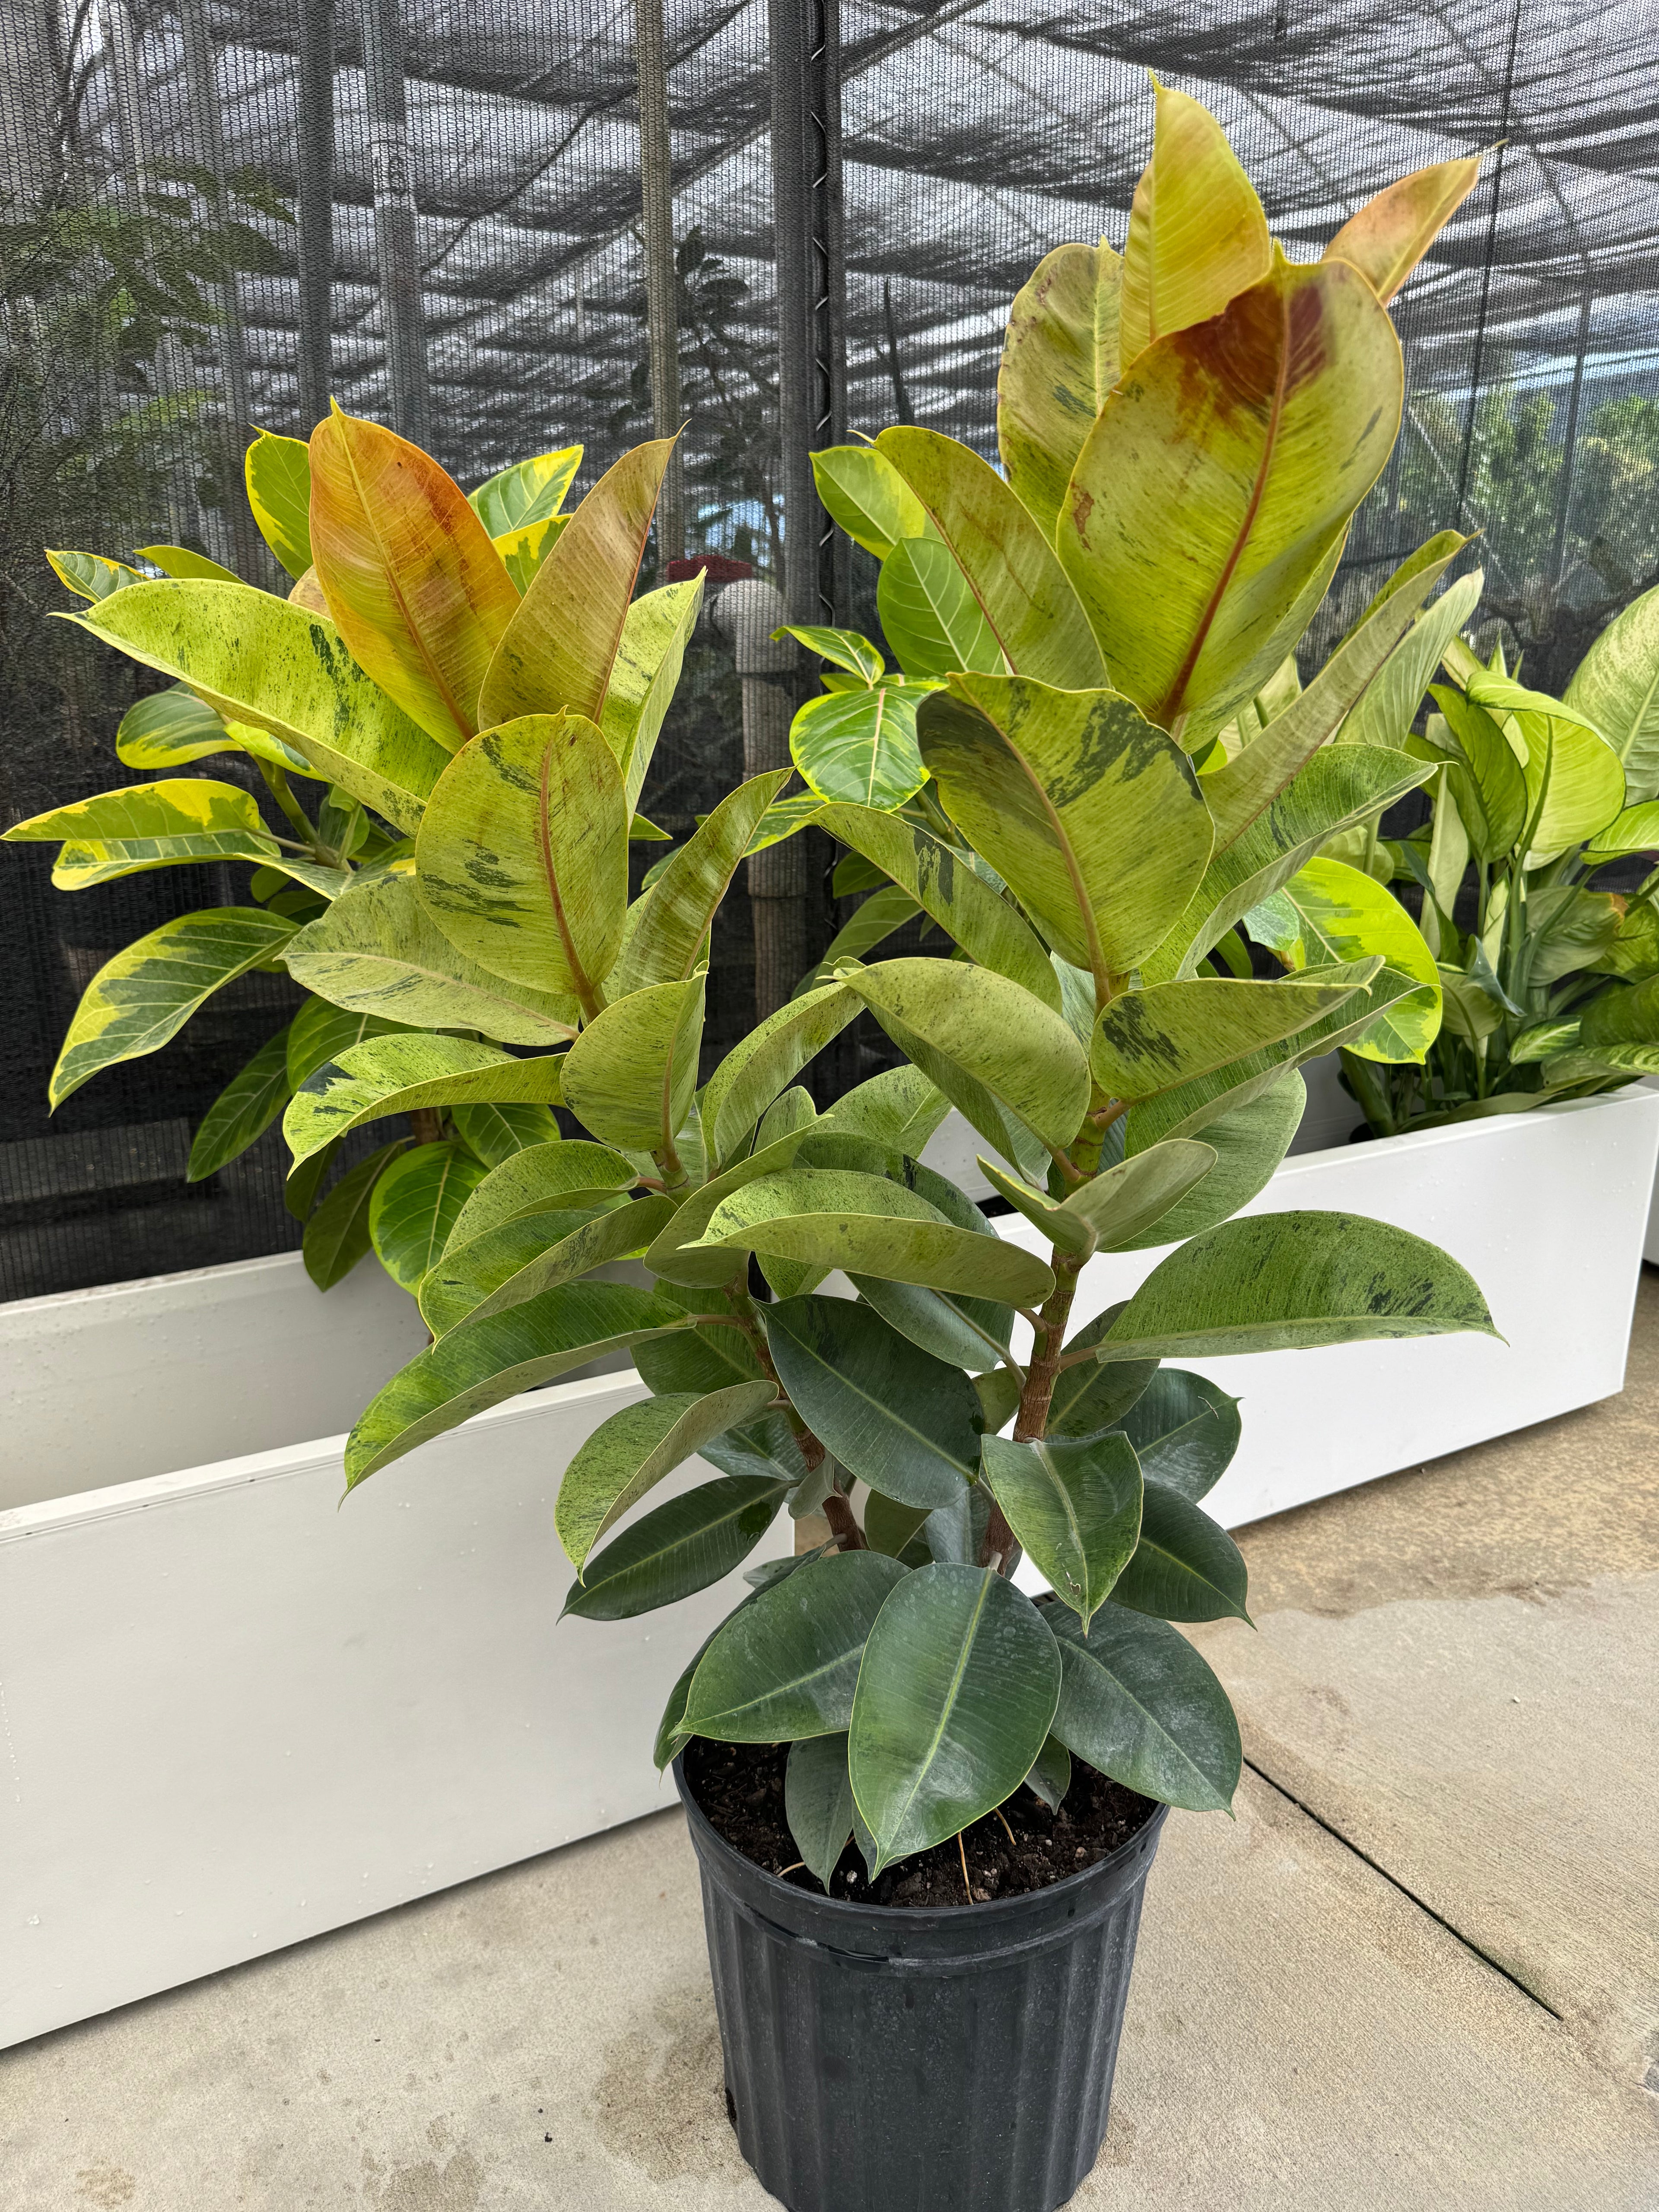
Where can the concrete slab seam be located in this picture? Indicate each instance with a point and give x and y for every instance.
(1410, 1895)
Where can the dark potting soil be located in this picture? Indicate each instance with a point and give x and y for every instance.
(739, 1787)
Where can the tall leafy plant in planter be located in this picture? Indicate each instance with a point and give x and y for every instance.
(1174, 504)
(1551, 982)
(347, 698)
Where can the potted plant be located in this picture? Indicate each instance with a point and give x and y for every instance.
(924, 1802)
(919, 1720)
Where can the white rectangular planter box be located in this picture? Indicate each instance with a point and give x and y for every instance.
(1547, 1211)
(233, 1714)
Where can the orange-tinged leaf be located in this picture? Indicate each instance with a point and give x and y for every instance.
(307, 592)
(418, 591)
(1059, 359)
(1197, 234)
(561, 646)
(1219, 481)
(1392, 232)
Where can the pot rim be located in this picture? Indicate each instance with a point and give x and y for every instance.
(914, 1916)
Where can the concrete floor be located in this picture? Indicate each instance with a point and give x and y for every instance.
(1419, 1971)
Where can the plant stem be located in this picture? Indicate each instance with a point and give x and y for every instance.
(428, 1123)
(277, 783)
(1046, 1342)
(843, 1527)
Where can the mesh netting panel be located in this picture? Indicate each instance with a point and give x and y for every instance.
(161, 166)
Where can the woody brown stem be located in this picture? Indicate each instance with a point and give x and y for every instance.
(1050, 1336)
(427, 1124)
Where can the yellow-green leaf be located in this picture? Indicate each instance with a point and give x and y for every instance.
(1060, 359)
(523, 1258)
(398, 1074)
(481, 1363)
(632, 1451)
(1094, 818)
(143, 997)
(261, 659)
(90, 576)
(168, 728)
(414, 1206)
(528, 492)
(421, 596)
(946, 886)
(644, 674)
(1197, 234)
(522, 855)
(631, 1075)
(278, 474)
(667, 927)
(1147, 1041)
(1616, 688)
(1217, 484)
(1011, 568)
(1575, 779)
(558, 1177)
(378, 951)
(929, 615)
(559, 648)
(179, 561)
(861, 746)
(133, 829)
(865, 493)
(995, 1050)
(1351, 917)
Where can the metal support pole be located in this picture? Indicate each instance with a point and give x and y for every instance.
(661, 279)
(248, 547)
(1570, 436)
(316, 255)
(396, 247)
(812, 286)
(785, 881)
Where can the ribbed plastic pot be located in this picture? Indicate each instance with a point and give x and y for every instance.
(950, 2060)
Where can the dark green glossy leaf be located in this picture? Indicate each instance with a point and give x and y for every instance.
(955, 1698)
(244, 1109)
(1088, 1398)
(1138, 1703)
(1050, 1776)
(337, 1234)
(787, 1666)
(818, 1802)
(1185, 1430)
(893, 1415)
(1186, 1566)
(1075, 1507)
(677, 1549)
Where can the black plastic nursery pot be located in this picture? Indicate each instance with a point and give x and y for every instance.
(951, 2059)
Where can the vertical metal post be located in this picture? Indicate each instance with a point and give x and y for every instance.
(812, 286)
(395, 246)
(661, 281)
(202, 78)
(788, 910)
(316, 255)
